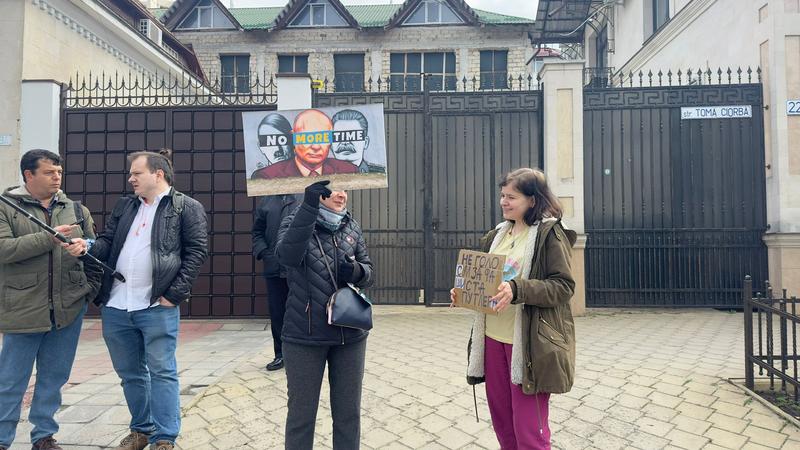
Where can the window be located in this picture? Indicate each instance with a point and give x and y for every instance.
(494, 69)
(349, 72)
(601, 49)
(432, 11)
(407, 69)
(318, 13)
(205, 15)
(144, 26)
(235, 74)
(292, 63)
(660, 13)
(656, 14)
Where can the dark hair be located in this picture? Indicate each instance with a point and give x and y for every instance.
(281, 124)
(351, 114)
(157, 161)
(30, 160)
(533, 183)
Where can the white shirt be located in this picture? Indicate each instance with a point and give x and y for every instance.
(135, 262)
(305, 171)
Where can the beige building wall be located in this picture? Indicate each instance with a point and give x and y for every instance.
(12, 15)
(321, 44)
(54, 40)
(700, 33)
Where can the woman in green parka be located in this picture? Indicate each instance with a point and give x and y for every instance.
(526, 351)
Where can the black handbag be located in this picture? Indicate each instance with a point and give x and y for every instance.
(347, 307)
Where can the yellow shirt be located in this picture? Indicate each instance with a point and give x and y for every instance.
(500, 327)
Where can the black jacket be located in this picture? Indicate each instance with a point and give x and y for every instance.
(310, 285)
(266, 222)
(179, 244)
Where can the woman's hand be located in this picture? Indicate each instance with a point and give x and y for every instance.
(503, 297)
(452, 297)
(315, 191)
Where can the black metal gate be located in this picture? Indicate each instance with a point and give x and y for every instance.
(446, 152)
(675, 209)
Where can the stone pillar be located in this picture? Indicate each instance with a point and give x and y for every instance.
(294, 90)
(40, 109)
(779, 55)
(563, 155)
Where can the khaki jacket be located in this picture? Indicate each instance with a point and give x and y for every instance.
(36, 274)
(548, 329)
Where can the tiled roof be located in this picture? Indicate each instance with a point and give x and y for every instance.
(368, 16)
(256, 18)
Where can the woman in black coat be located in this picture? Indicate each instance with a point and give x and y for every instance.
(321, 229)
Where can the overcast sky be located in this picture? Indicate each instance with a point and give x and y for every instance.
(519, 8)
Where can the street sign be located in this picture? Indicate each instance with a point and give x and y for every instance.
(717, 112)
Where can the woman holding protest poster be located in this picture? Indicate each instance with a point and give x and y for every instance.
(526, 351)
(323, 249)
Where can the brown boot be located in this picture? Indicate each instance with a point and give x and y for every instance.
(162, 445)
(133, 441)
(47, 443)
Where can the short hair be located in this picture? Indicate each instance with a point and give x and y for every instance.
(30, 160)
(157, 161)
(533, 183)
(352, 114)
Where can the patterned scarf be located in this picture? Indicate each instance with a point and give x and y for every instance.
(330, 219)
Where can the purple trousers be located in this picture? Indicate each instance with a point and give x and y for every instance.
(519, 420)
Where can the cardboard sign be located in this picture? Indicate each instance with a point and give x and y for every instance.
(285, 151)
(478, 275)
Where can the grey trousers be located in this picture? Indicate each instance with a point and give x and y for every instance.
(305, 365)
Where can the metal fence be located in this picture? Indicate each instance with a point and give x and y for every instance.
(126, 90)
(422, 82)
(777, 362)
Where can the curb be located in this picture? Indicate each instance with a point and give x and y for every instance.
(739, 383)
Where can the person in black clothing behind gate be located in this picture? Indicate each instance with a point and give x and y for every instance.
(321, 228)
(268, 216)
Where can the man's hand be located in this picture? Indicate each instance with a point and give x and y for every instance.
(66, 230)
(166, 303)
(78, 247)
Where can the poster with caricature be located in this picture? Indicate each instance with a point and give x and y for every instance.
(283, 149)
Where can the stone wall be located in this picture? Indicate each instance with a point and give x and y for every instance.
(377, 45)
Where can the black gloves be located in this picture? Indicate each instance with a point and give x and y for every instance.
(349, 272)
(314, 191)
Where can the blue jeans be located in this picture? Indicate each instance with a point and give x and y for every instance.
(54, 353)
(142, 347)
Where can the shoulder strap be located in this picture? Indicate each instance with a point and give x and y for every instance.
(177, 202)
(78, 211)
(325, 259)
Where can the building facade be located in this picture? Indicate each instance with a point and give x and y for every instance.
(625, 37)
(350, 45)
(47, 42)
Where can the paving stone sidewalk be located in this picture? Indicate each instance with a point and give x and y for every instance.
(645, 380)
(94, 415)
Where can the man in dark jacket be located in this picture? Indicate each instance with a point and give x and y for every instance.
(44, 296)
(157, 239)
(267, 219)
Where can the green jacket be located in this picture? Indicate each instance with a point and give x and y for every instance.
(36, 274)
(547, 324)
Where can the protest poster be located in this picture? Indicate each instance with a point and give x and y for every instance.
(478, 276)
(284, 148)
